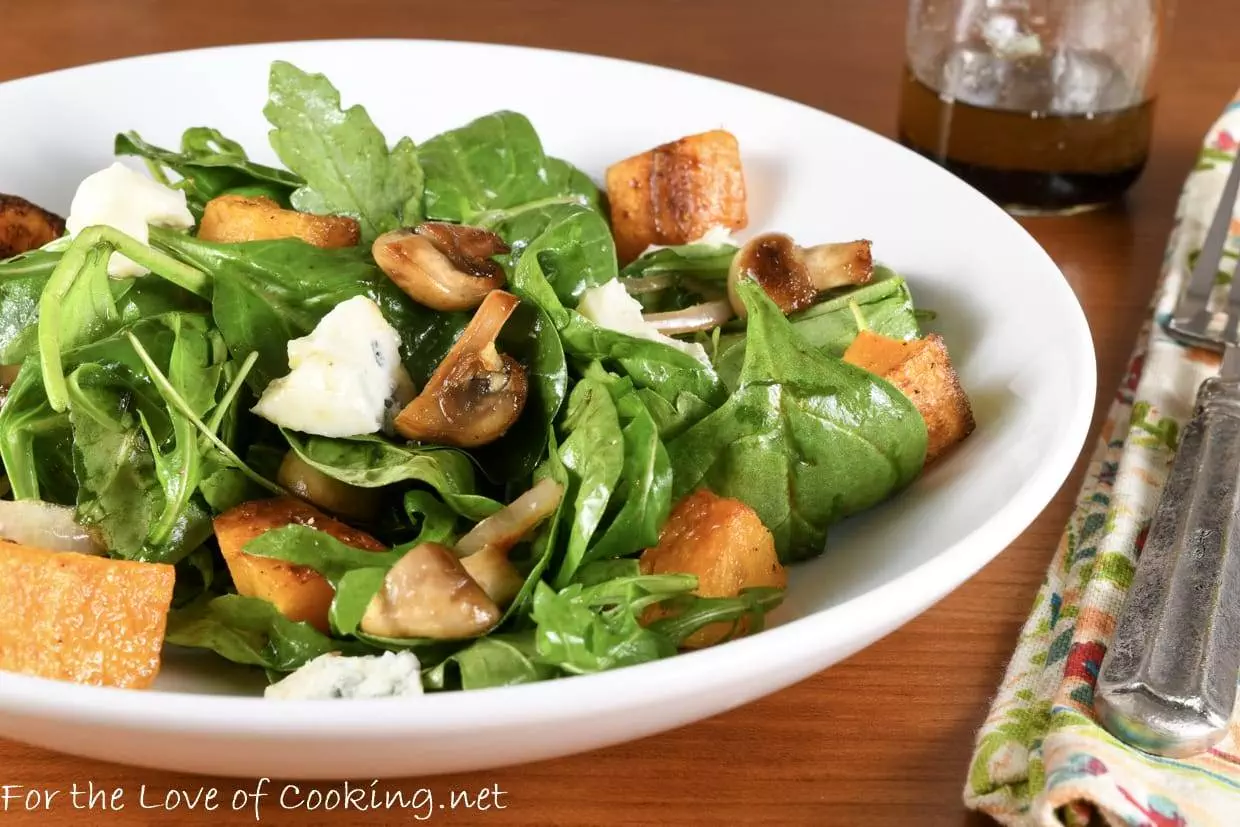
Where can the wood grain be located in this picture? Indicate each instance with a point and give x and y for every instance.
(880, 740)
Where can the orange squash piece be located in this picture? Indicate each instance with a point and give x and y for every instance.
(74, 617)
(676, 192)
(922, 370)
(234, 218)
(299, 592)
(724, 543)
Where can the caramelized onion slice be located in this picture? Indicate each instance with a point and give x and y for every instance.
(48, 526)
(484, 550)
(699, 317)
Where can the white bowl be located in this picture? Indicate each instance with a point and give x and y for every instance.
(1017, 336)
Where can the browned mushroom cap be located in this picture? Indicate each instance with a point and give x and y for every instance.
(429, 594)
(443, 266)
(476, 393)
(308, 483)
(25, 226)
(484, 550)
(794, 276)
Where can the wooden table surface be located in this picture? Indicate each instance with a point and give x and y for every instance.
(885, 737)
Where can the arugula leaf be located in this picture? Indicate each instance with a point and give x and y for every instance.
(593, 454)
(77, 304)
(341, 154)
(22, 279)
(76, 307)
(596, 623)
(355, 589)
(36, 443)
(493, 166)
(579, 640)
(805, 439)
(268, 292)
(497, 660)
(373, 462)
(251, 631)
(686, 615)
(195, 375)
(137, 458)
(210, 165)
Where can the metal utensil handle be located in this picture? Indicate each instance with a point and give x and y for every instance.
(1168, 681)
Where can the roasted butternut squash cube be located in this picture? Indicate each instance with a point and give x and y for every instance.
(234, 218)
(674, 193)
(724, 543)
(25, 226)
(922, 370)
(81, 618)
(299, 592)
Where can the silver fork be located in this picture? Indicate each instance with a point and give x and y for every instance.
(1168, 682)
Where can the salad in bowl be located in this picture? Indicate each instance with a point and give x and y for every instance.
(399, 418)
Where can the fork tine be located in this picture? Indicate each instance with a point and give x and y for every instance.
(1191, 313)
(1231, 330)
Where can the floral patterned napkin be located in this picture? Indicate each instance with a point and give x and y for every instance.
(1041, 760)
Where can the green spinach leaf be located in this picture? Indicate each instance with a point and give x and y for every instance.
(210, 165)
(341, 154)
(883, 306)
(498, 660)
(373, 462)
(665, 370)
(643, 496)
(704, 261)
(593, 454)
(805, 439)
(571, 245)
(356, 575)
(435, 522)
(251, 631)
(493, 168)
